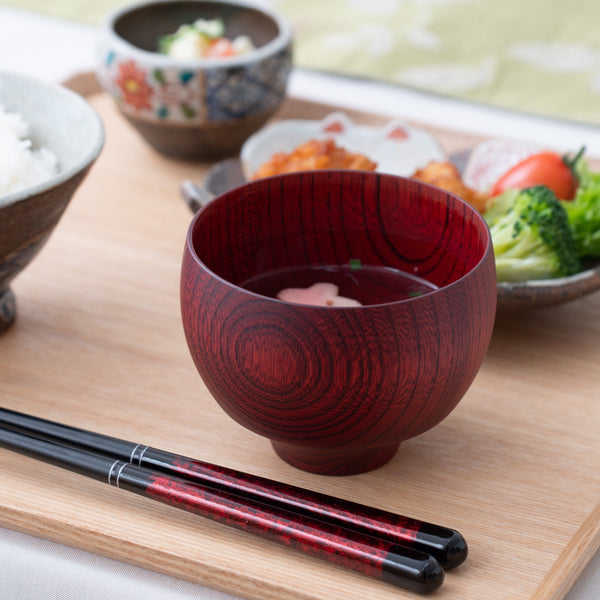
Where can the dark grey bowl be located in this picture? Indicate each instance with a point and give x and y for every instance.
(66, 124)
(527, 295)
(202, 108)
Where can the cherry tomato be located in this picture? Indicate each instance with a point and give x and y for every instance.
(546, 168)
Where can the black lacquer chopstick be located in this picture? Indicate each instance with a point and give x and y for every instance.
(379, 559)
(446, 545)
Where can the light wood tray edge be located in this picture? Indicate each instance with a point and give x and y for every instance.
(569, 564)
(572, 560)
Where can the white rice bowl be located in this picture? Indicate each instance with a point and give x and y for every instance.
(21, 165)
(48, 133)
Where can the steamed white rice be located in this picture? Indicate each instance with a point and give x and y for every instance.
(21, 166)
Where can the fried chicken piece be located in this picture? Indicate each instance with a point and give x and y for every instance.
(446, 176)
(314, 155)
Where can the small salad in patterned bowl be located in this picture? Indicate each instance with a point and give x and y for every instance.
(195, 78)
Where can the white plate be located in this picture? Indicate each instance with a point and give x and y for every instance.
(397, 148)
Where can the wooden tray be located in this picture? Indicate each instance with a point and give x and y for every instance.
(98, 344)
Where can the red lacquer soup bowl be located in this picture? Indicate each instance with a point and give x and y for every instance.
(337, 388)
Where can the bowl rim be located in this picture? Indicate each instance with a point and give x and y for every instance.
(487, 242)
(283, 38)
(84, 160)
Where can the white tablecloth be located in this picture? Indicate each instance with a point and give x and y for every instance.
(53, 50)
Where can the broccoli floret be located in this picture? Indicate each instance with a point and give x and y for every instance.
(532, 238)
(583, 212)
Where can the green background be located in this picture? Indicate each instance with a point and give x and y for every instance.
(535, 56)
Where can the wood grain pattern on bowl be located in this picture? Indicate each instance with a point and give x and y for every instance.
(337, 389)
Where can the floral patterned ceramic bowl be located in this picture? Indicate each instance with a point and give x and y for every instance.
(200, 108)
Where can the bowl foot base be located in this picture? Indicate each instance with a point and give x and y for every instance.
(332, 462)
(8, 309)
